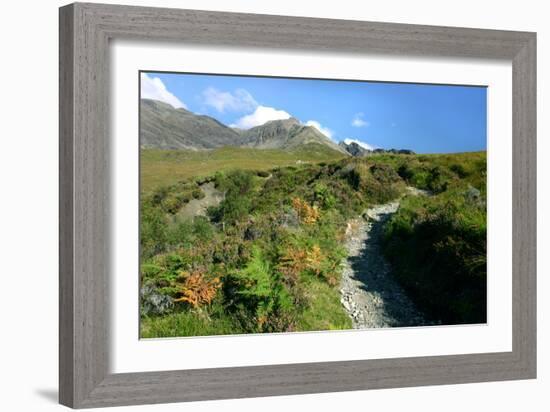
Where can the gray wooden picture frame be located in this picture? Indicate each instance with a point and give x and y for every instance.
(85, 32)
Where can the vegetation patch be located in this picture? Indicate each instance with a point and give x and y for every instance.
(437, 244)
(165, 167)
(268, 257)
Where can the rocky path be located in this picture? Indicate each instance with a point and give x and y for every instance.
(369, 293)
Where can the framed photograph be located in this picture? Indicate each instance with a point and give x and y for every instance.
(256, 205)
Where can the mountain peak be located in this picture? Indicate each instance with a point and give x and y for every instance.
(291, 121)
(354, 148)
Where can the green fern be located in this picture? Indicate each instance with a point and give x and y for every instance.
(262, 290)
(256, 276)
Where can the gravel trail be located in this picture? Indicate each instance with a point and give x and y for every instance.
(369, 293)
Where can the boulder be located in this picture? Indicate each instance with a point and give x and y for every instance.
(154, 303)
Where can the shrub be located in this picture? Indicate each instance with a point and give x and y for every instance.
(232, 209)
(180, 233)
(236, 205)
(437, 182)
(384, 173)
(378, 182)
(159, 195)
(438, 248)
(405, 172)
(153, 230)
(203, 230)
(420, 179)
(198, 194)
(459, 170)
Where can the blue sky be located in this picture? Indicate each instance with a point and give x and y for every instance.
(423, 118)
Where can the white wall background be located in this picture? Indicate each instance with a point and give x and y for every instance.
(28, 206)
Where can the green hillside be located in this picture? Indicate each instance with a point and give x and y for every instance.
(266, 255)
(166, 167)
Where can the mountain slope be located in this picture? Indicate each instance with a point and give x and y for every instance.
(163, 127)
(285, 134)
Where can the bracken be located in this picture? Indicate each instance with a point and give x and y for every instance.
(307, 214)
(196, 290)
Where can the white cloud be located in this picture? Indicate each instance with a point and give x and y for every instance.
(359, 121)
(325, 130)
(238, 101)
(154, 88)
(360, 143)
(261, 115)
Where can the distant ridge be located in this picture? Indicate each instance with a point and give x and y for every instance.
(356, 150)
(164, 127)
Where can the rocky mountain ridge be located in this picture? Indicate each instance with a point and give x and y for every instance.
(163, 127)
(356, 150)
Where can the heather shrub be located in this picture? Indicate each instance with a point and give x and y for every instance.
(438, 248)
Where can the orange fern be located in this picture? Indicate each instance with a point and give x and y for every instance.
(306, 213)
(291, 264)
(314, 259)
(294, 261)
(196, 290)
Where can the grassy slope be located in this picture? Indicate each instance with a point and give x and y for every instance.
(336, 195)
(324, 312)
(187, 324)
(437, 244)
(166, 167)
